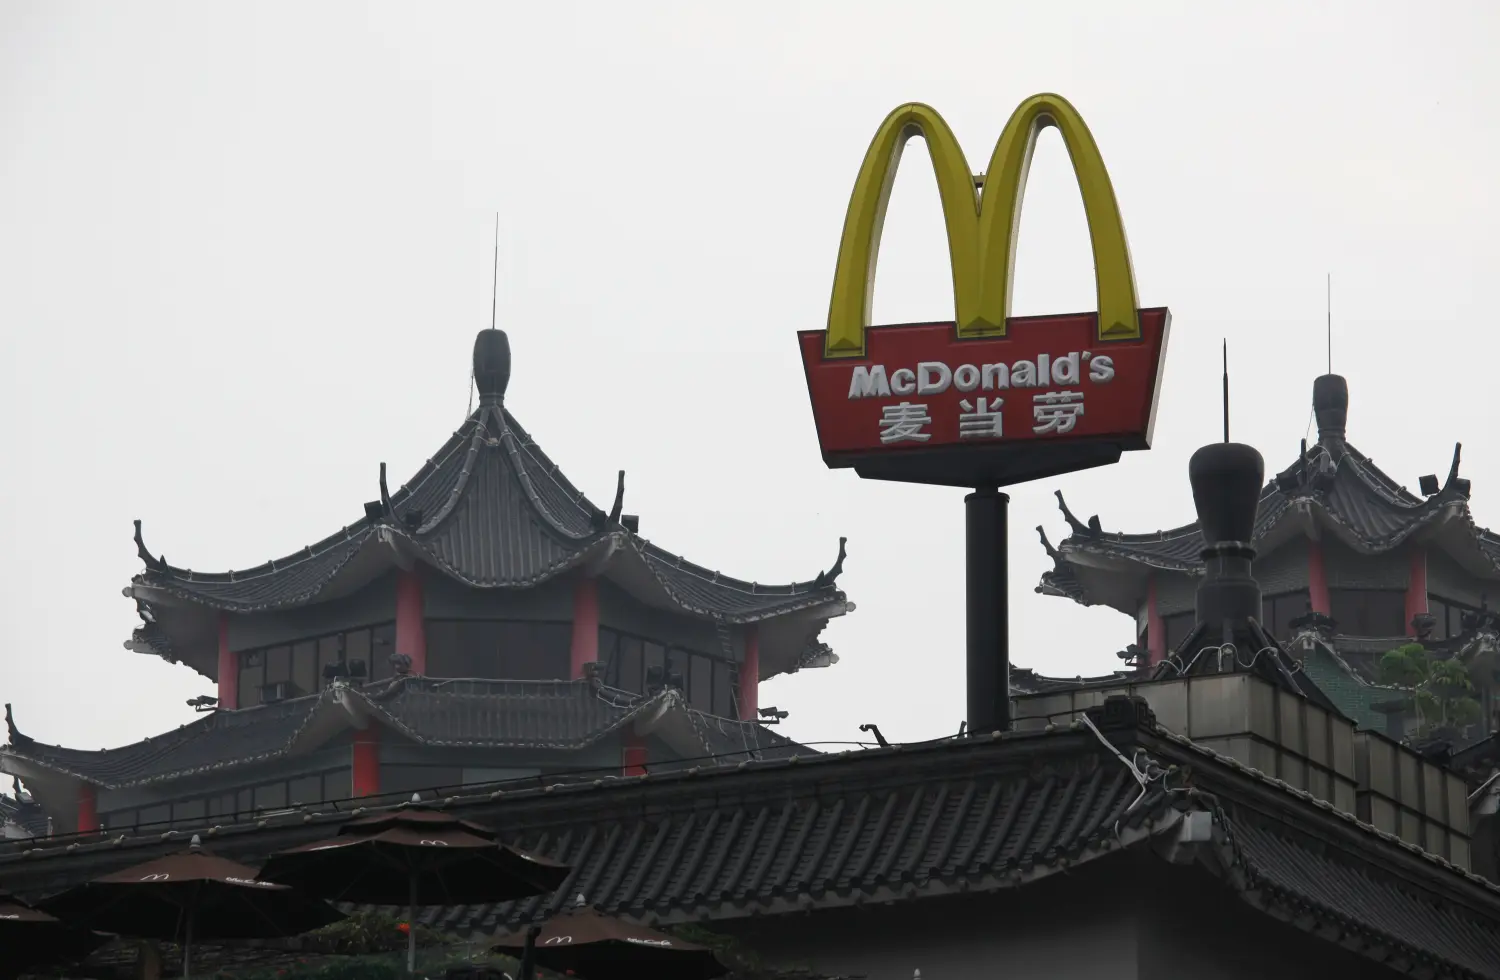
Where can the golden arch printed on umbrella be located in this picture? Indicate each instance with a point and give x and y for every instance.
(981, 228)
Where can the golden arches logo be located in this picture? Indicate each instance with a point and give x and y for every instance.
(981, 226)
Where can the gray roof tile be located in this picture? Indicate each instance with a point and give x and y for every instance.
(1341, 485)
(491, 510)
(560, 715)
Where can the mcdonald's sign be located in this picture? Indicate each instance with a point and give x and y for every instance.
(984, 398)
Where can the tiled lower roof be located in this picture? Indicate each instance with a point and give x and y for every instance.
(908, 822)
(773, 854)
(488, 714)
(1294, 878)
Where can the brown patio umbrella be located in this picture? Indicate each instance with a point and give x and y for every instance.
(31, 937)
(592, 945)
(413, 856)
(190, 896)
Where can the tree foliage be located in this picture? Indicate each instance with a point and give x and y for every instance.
(1441, 691)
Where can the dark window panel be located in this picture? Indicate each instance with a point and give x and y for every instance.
(252, 676)
(221, 806)
(278, 665)
(305, 668)
(1368, 612)
(443, 659)
(630, 664)
(383, 639)
(337, 785)
(245, 801)
(609, 655)
(119, 819)
(655, 656)
(190, 811)
(724, 690)
(271, 796)
(554, 650)
(1177, 627)
(357, 649)
(304, 790)
(700, 681)
(330, 653)
(156, 814)
(1278, 611)
(403, 780)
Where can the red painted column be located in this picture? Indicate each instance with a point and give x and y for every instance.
(633, 755)
(1317, 579)
(411, 636)
(1156, 630)
(1416, 588)
(750, 676)
(364, 775)
(229, 668)
(88, 809)
(585, 647)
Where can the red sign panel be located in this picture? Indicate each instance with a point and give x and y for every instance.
(920, 391)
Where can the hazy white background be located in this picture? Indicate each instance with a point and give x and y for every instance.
(244, 249)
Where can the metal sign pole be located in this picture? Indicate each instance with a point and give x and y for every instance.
(988, 611)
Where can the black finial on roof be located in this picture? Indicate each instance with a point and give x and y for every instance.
(1331, 405)
(1227, 478)
(491, 365)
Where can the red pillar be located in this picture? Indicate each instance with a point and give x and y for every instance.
(750, 676)
(1156, 630)
(411, 637)
(633, 755)
(585, 647)
(229, 668)
(1317, 579)
(364, 776)
(1416, 588)
(88, 809)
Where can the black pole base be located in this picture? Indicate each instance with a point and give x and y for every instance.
(988, 611)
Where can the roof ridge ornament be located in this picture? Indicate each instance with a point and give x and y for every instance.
(619, 504)
(16, 738)
(1331, 406)
(827, 578)
(1092, 529)
(491, 366)
(153, 564)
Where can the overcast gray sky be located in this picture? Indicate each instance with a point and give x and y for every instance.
(244, 249)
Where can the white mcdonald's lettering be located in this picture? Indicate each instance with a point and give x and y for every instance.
(558, 941)
(936, 377)
(8, 916)
(648, 942)
(433, 843)
(155, 877)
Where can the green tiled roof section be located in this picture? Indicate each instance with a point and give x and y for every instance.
(1353, 696)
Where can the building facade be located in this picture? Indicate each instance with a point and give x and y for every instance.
(484, 622)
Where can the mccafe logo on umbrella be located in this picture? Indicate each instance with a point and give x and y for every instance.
(954, 401)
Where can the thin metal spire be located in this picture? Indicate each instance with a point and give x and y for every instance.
(494, 294)
(1226, 390)
(1329, 306)
(495, 272)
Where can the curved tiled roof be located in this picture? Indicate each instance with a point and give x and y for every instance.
(1331, 480)
(490, 509)
(489, 714)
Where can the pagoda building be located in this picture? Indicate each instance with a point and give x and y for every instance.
(1351, 565)
(483, 623)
